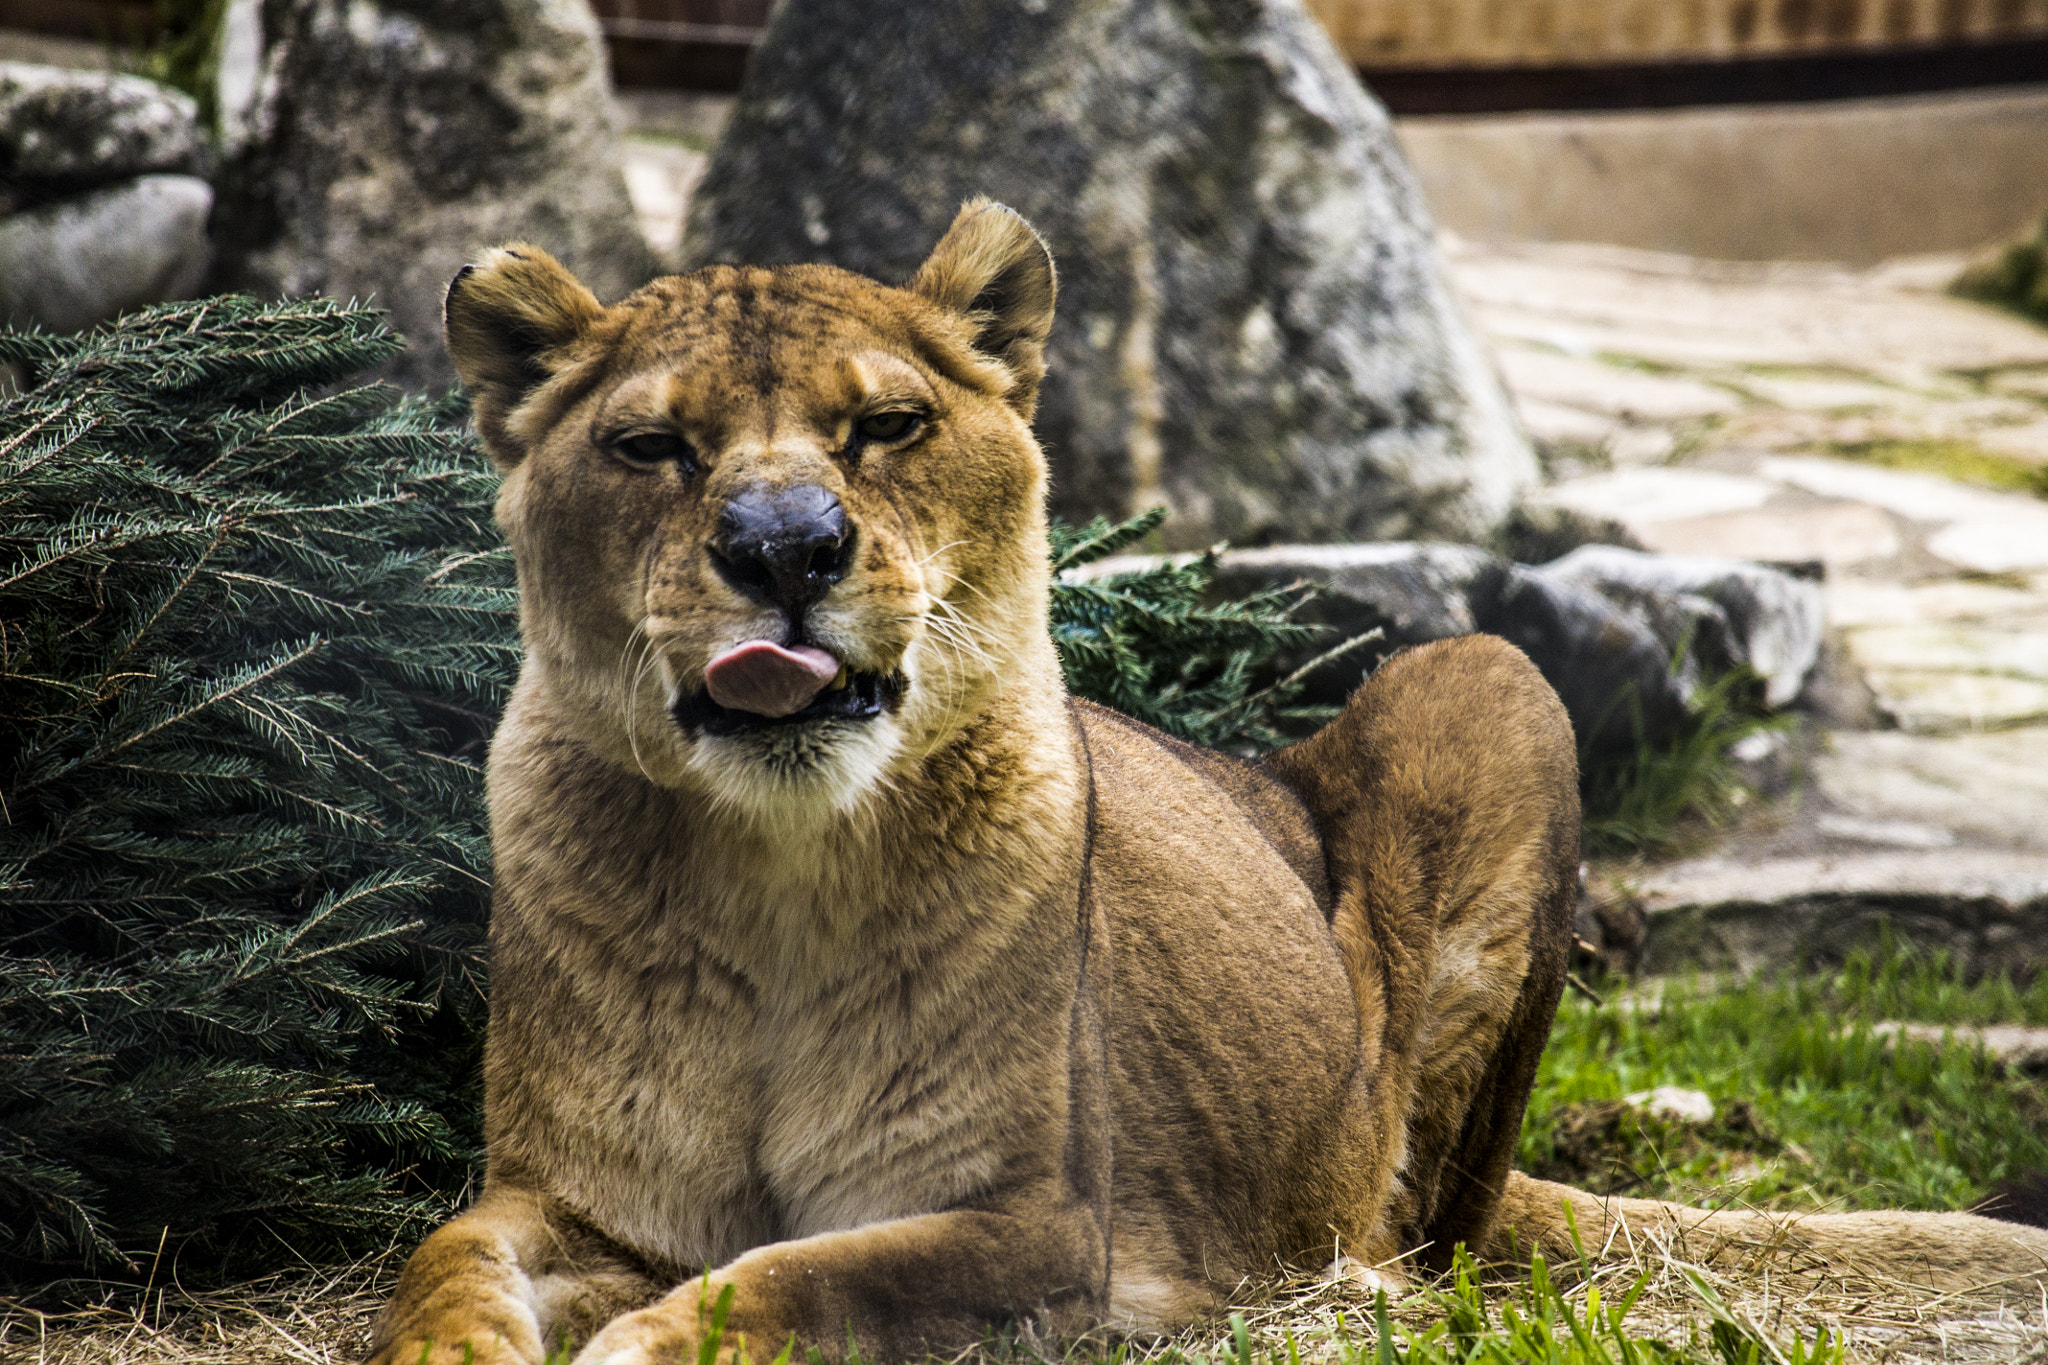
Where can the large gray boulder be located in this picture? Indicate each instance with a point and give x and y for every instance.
(62, 129)
(1253, 328)
(69, 264)
(102, 208)
(374, 146)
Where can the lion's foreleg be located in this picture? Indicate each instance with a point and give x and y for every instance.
(1949, 1253)
(900, 1289)
(465, 1292)
(502, 1285)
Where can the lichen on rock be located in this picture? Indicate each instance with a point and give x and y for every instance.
(374, 146)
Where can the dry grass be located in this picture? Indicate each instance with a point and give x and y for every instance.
(322, 1317)
(1876, 1320)
(312, 1316)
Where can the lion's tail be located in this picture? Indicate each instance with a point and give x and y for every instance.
(1944, 1253)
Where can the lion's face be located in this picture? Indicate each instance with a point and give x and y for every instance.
(777, 530)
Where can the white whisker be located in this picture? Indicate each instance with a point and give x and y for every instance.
(947, 637)
(648, 659)
(958, 582)
(946, 619)
(936, 553)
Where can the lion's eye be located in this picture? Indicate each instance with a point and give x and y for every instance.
(653, 447)
(888, 426)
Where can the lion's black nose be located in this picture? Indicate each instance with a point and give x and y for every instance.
(783, 546)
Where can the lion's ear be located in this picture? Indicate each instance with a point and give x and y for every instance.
(992, 267)
(507, 319)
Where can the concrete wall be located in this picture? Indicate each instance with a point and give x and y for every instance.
(1537, 32)
(1855, 181)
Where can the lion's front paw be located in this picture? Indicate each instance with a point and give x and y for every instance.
(472, 1338)
(457, 1348)
(665, 1334)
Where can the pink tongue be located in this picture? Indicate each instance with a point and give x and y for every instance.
(767, 679)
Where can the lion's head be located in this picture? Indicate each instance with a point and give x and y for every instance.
(778, 530)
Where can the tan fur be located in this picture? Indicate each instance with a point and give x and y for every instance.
(993, 1008)
(1947, 1253)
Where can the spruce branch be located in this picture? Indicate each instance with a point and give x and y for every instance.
(250, 616)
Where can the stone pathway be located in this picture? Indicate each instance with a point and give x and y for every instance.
(1864, 420)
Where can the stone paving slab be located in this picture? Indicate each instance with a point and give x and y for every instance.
(2003, 530)
(1882, 602)
(1839, 535)
(1591, 385)
(2016, 878)
(1643, 497)
(2000, 545)
(2013, 647)
(1929, 702)
(2024, 383)
(1594, 300)
(1985, 789)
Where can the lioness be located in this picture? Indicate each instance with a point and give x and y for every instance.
(839, 954)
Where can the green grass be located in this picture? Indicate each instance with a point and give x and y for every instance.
(183, 51)
(1651, 798)
(1539, 1321)
(1812, 1107)
(1963, 461)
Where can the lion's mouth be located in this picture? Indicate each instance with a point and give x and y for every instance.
(861, 697)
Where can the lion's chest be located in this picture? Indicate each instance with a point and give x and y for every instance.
(693, 1123)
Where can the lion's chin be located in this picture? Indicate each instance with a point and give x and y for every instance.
(797, 776)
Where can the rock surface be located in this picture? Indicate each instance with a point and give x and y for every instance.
(1719, 613)
(376, 147)
(1904, 790)
(75, 262)
(1603, 627)
(64, 129)
(1253, 326)
(1673, 1102)
(1729, 912)
(1413, 592)
(1610, 669)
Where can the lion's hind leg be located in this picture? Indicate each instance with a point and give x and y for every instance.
(1446, 795)
(1893, 1251)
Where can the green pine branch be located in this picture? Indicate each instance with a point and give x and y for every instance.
(254, 625)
